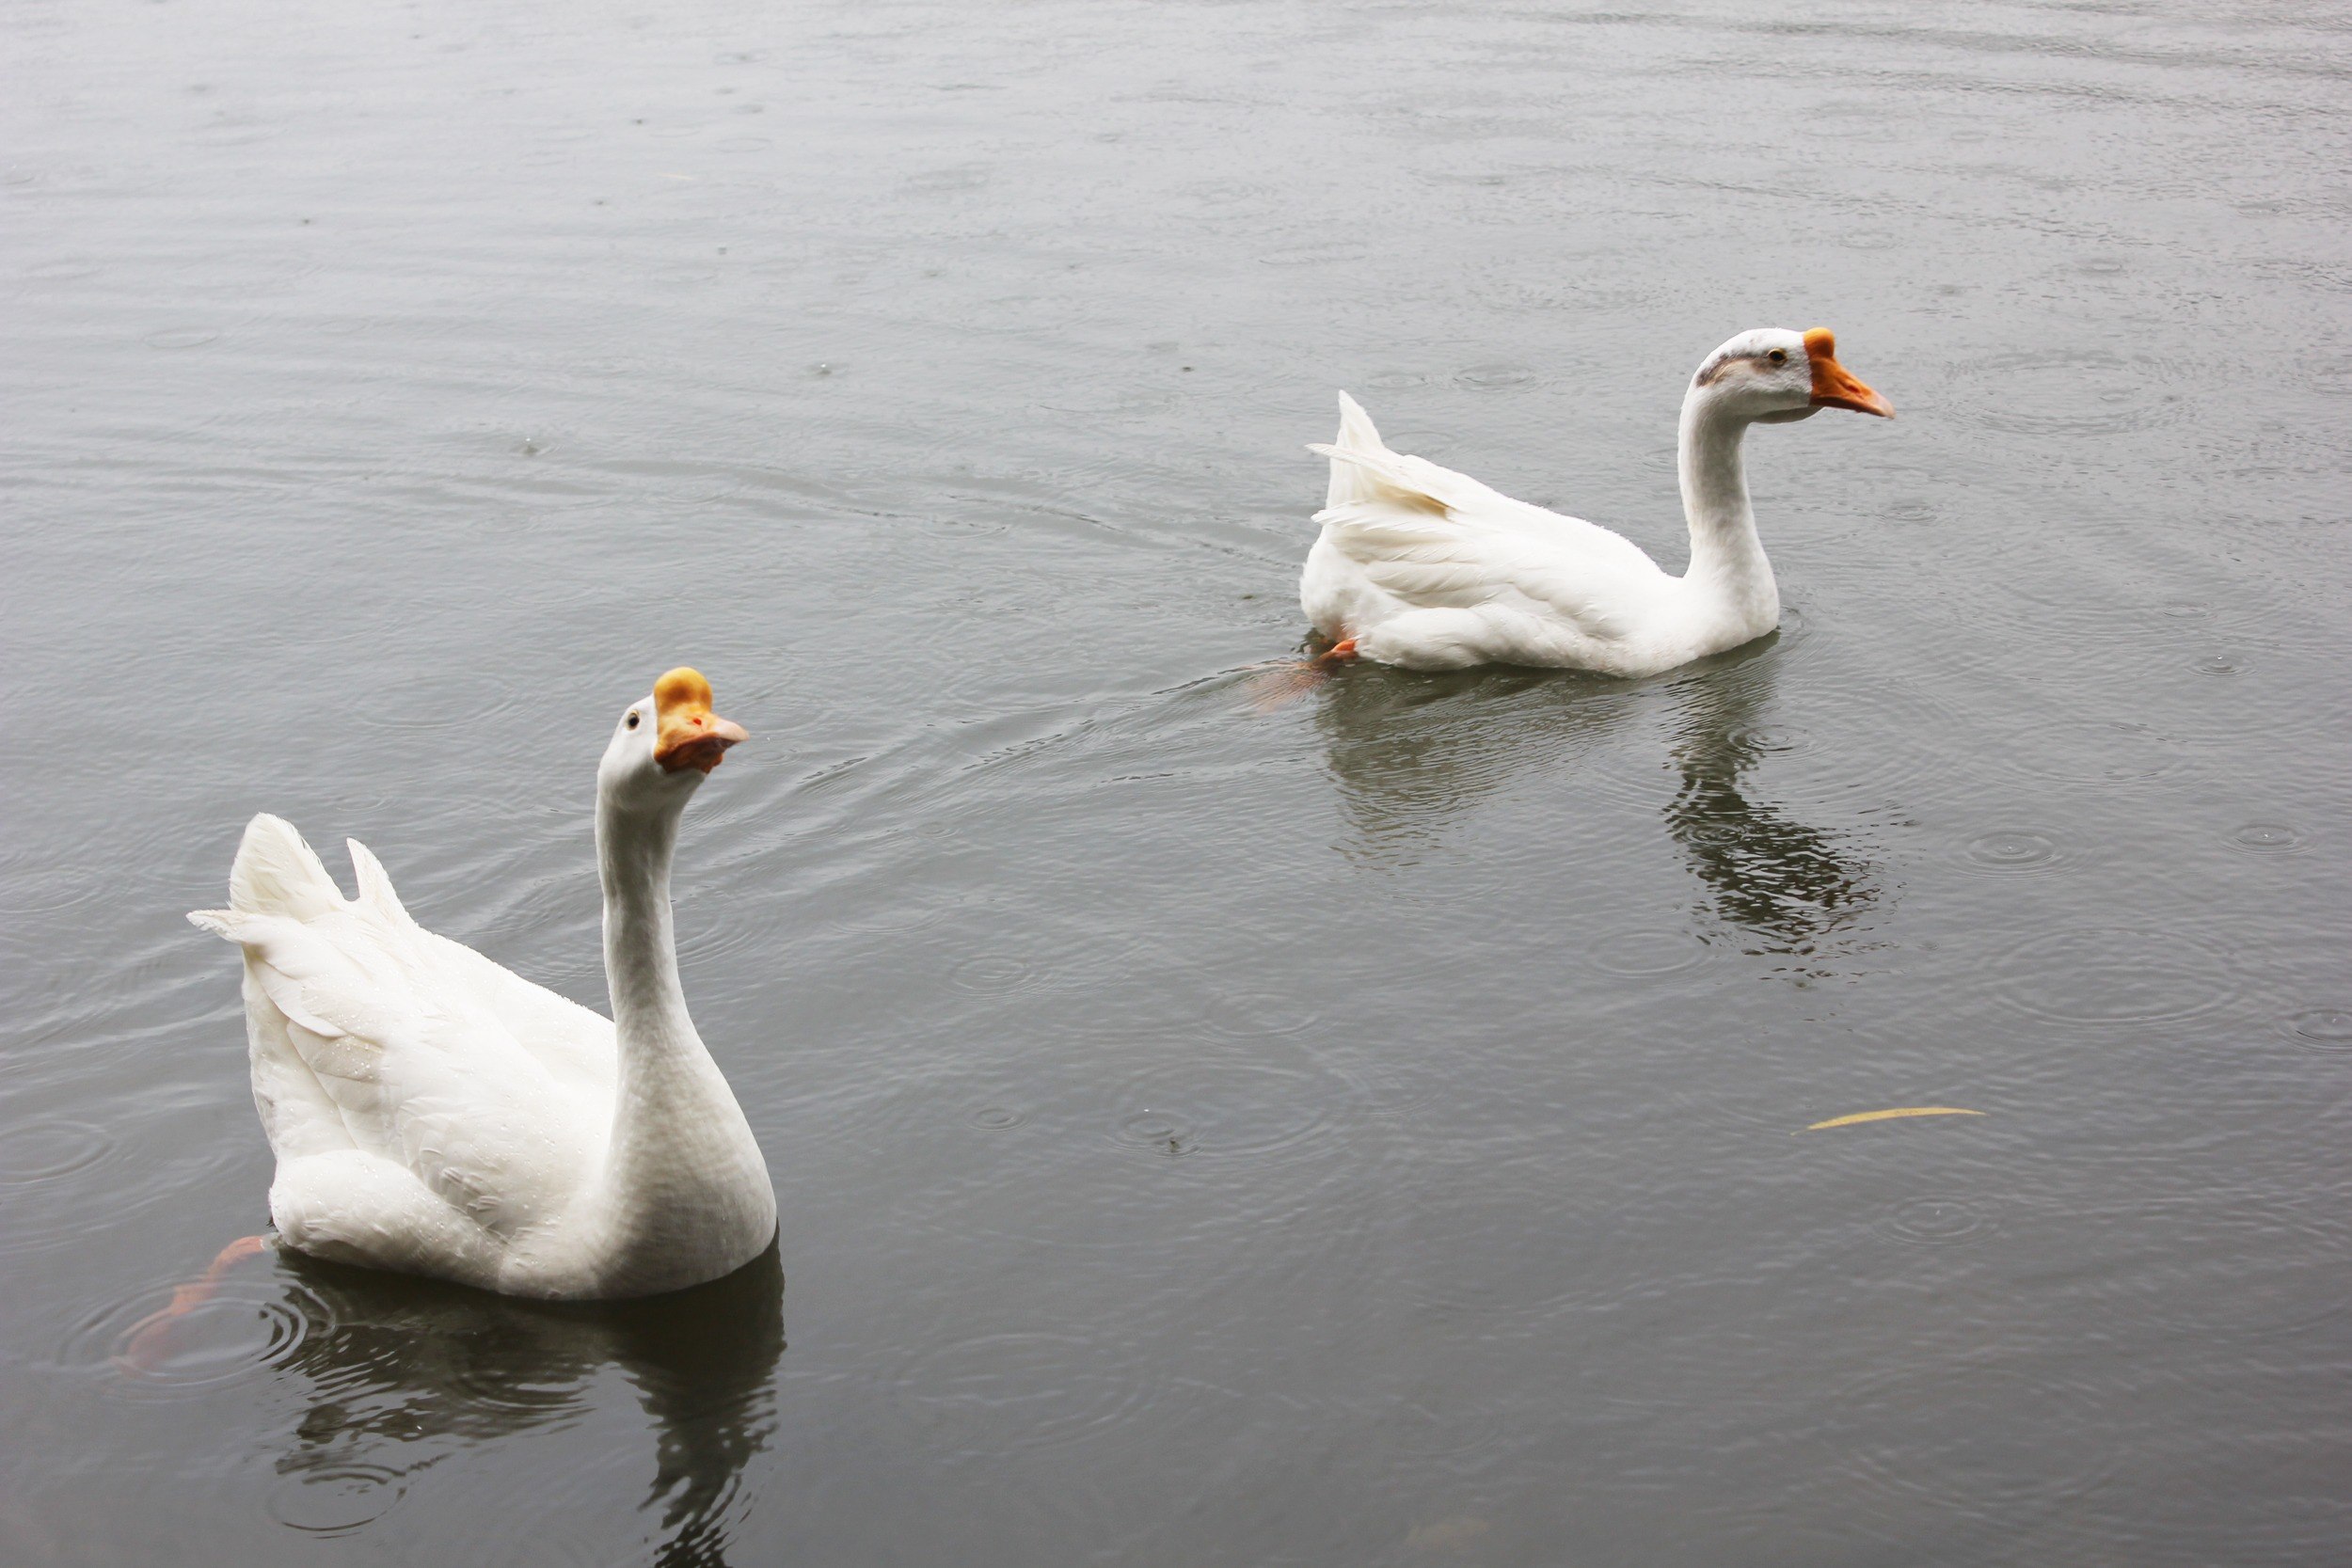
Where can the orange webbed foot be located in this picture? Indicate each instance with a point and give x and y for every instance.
(145, 1343)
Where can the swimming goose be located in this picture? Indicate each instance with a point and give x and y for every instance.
(433, 1113)
(1421, 566)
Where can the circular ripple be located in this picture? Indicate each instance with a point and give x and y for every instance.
(2093, 753)
(2115, 976)
(1410, 1426)
(1770, 737)
(894, 915)
(2228, 1265)
(250, 1324)
(46, 890)
(2265, 837)
(992, 972)
(2322, 1028)
(1935, 1221)
(1275, 1106)
(1644, 952)
(996, 1118)
(2079, 392)
(728, 926)
(1022, 1390)
(444, 701)
(1985, 1443)
(1835, 738)
(2015, 850)
(2218, 664)
(1247, 1014)
(337, 1500)
(1163, 1131)
(1495, 378)
(44, 1151)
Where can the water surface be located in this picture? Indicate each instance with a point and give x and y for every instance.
(1360, 1132)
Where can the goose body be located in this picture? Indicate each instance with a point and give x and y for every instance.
(1420, 566)
(433, 1113)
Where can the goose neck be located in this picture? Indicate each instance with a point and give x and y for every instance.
(1726, 557)
(634, 849)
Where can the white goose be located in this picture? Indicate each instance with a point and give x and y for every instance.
(1426, 568)
(434, 1114)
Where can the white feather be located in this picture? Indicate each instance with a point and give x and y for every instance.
(1427, 568)
(434, 1113)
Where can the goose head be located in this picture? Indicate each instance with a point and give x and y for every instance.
(1773, 376)
(665, 744)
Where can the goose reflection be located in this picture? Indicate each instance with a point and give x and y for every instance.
(1410, 753)
(1793, 889)
(1411, 750)
(404, 1371)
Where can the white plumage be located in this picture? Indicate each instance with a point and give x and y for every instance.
(1421, 566)
(433, 1113)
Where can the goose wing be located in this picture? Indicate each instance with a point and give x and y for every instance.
(1434, 537)
(369, 1034)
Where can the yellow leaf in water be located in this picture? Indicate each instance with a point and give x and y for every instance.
(1890, 1116)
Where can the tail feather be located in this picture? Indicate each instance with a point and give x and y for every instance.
(375, 886)
(1349, 483)
(275, 873)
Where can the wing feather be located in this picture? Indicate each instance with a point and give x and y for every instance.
(1433, 538)
(373, 1034)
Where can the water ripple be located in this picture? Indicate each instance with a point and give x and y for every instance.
(1022, 1390)
(2265, 838)
(2073, 392)
(336, 1499)
(1649, 951)
(996, 972)
(37, 1151)
(253, 1323)
(2099, 752)
(2115, 976)
(1278, 1107)
(1247, 1014)
(1981, 1444)
(2322, 1028)
(2013, 850)
(1935, 1221)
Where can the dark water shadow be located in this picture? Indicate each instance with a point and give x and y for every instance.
(1411, 752)
(1789, 888)
(407, 1371)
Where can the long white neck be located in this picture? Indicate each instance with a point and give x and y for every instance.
(1727, 564)
(673, 1112)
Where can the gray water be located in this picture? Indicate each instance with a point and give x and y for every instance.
(1365, 1130)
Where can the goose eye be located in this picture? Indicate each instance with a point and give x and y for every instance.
(1779, 357)
(632, 721)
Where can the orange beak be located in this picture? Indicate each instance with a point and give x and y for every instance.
(1836, 387)
(687, 733)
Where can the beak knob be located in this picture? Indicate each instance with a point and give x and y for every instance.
(1836, 387)
(689, 734)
